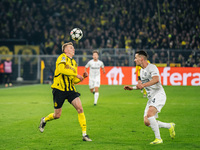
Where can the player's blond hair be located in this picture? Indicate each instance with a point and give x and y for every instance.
(95, 51)
(66, 44)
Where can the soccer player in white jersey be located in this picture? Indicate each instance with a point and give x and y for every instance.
(150, 80)
(94, 76)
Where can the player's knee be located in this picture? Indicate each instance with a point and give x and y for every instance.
(150, 114)
(146, 123)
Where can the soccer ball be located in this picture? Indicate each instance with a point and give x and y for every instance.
(76, 34)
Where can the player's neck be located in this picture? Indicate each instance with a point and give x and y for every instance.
(95, 59)
(144, 64)
(68, 55)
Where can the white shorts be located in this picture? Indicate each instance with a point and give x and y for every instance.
(158, 101)
(94, 83)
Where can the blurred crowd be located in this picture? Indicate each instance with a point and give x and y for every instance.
(129, 24)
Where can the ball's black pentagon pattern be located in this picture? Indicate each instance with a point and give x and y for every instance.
(76, 34)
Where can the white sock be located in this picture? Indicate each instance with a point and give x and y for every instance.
(84, 134)
(163, 125)
(96, 96)
(154, 126)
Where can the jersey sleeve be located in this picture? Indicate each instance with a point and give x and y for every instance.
(64, 67)
(154, 71)
(76, 80)
(87, 65)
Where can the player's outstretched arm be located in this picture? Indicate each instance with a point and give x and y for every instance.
(127, 87)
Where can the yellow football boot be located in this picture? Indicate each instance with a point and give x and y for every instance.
(172, 130)
(157, 141)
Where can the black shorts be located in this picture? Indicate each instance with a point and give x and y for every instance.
(139, 78)
(60, 96)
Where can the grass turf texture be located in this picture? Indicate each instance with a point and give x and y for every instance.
(116, 123)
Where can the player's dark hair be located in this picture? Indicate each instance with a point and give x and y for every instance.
(142, 53)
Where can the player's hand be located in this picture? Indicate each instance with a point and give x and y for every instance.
(85, 75)
(140, 86)
(127, 87)
(80, 77)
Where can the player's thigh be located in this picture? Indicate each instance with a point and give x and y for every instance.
(77, 105)
(152, 111)
(58, 98)
(158, 101)
(91, 84)
(146, 109)
(97, 83)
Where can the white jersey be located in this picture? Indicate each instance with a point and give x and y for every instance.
(146, 75)
(94, 68)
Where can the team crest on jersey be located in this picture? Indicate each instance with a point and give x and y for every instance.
(145, 74)
(63, 58)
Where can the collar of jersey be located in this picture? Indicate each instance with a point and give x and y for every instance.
(67, 56)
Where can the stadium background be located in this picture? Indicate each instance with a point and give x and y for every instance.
(33, 31)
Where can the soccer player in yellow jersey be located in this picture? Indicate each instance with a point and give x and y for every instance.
(65, 76)
(137, 71)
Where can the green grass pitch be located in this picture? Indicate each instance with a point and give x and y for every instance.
(116, 123)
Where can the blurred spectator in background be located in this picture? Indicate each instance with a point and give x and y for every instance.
(104, 23)
(1, 71)
(8, 72)
(46, 21)
(155, 59)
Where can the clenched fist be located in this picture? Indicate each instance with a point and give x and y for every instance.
(85, 74)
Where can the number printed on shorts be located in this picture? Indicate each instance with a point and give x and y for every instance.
(154, 100)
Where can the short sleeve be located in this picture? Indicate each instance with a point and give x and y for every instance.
(154, 71)
(87, 65)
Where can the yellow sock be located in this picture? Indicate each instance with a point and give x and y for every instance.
(144, 92)
(49, 117)
(82, 122)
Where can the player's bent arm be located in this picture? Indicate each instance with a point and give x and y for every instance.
(155, 79)
(66, 71)
(76, 80)
(85, 70)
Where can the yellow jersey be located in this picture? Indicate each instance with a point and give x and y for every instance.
(65, 74)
